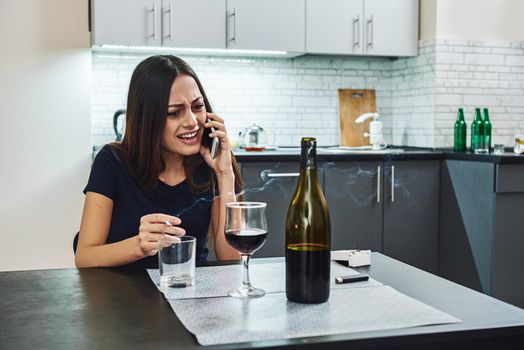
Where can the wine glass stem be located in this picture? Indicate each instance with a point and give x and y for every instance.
(245, 271)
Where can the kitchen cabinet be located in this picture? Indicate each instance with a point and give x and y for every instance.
(273, 183)
(411, 210)
(266, 25)
(390, 207)
(352, 191)
(362, 27)
(159, 23)
(481, 240)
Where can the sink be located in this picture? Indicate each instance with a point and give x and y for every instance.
(346, 150)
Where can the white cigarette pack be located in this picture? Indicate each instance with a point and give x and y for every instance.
(353, 258)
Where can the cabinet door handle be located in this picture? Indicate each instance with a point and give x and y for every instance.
(370, 31)
(392, 183)
(276, 175)
(234, 14)
(378, 184)
(356, 29)
(170, 10)
(154, 20)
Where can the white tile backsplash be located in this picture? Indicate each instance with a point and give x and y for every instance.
(417, 97)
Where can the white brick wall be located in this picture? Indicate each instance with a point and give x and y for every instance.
(291, 98)
(418, 97)
(481, 74)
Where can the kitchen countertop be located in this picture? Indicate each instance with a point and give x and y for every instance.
(395, 153)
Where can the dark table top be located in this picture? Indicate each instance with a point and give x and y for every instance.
(100, 308)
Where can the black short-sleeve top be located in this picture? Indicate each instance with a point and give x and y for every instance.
(111, 178)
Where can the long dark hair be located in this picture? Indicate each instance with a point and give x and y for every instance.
(146, 116)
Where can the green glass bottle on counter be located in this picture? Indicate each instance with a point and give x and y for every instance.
(487, 127)
(477, 128)
(460, 131)
(308, 234)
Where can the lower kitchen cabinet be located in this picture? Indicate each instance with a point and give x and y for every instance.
(481, 231)
(411, 210)
(352, 191)
(390, 207)
(273, 183)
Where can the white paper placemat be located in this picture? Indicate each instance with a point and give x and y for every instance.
(226, 320)
(217, 281)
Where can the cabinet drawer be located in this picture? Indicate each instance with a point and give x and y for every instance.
(509, 178)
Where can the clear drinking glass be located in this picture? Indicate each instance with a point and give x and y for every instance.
(246, 231)
(176, 261)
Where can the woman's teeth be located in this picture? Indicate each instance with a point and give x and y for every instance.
(188, 136)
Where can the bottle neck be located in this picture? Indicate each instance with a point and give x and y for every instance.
(460, 116)
(477, 116)
(308, 158)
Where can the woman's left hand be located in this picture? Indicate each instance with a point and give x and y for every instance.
(221, 165)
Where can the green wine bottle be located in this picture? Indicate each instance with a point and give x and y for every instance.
(460, 131)
(308, 234)
(477, 129)
(487, 128)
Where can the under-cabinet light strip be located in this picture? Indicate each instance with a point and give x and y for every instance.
(187, 50)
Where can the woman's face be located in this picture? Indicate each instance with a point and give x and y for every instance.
(186, 115)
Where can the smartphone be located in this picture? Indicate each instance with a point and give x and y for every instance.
(211, 143)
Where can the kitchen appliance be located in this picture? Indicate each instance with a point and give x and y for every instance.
(351, 104)
(376, 138)
(254, 138)
(119, 128)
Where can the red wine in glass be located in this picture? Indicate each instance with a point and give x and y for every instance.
(246, 241)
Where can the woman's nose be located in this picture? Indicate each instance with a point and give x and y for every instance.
(190, 119)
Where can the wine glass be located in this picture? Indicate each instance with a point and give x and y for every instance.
(246, 231)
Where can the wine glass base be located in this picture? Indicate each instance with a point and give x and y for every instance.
(247, 292)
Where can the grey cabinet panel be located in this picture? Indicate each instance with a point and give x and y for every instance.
(277, 193)
(510, 178)
(466, 223)
(351, 195)
(411, 209)
(140, 25)
(508, 249)
(179, 18)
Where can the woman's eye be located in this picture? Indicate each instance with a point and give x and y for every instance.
(173, 114)
(198, 107)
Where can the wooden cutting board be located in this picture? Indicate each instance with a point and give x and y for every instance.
(351, 104)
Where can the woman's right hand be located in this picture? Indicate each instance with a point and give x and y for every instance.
(154, 227)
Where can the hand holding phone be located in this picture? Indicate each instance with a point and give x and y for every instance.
(213, 143)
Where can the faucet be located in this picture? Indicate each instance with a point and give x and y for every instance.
(376, 138)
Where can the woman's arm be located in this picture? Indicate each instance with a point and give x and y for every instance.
(223, 168)
(93, 251)
(226, 186)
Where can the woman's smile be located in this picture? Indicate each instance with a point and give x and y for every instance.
(189, 137)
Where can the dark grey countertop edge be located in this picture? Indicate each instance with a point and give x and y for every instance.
(408, 154)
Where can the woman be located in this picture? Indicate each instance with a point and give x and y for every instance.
(160, 179)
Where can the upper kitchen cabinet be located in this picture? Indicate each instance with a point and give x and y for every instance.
(124, 22)
(180, 23)
(266, 25)
(194, 23)
(362, 27)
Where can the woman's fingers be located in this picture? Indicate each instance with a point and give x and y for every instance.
(160, 218)
(160, 228)
(213, 116)
(216, 125)
(156, 227)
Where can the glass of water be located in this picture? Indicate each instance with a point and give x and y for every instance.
(176, 261)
